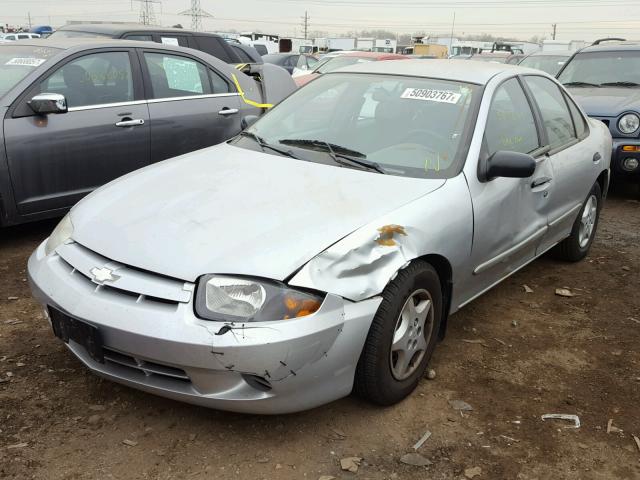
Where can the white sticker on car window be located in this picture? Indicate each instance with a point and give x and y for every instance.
(26, 62)
(431, 95)
(170, 41)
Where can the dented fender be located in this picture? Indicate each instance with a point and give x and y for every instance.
(361, 265)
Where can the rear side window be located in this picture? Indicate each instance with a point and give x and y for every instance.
(511, 125)
(553, 107)
(578, 119)
(242, 55)
(214, 46)
(218, 83)
(174, 76)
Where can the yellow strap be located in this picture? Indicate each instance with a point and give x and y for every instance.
(246, 100)
(240, 66)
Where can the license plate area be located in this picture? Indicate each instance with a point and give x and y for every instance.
(67, 328)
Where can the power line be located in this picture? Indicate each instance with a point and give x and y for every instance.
(197, 14)
(147, 12)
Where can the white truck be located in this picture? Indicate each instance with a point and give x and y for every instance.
(562, 45)
(334, 44)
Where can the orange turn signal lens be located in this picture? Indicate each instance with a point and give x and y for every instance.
(300, 307)
(631, 148)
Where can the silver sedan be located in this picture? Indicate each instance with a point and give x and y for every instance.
(321, 251)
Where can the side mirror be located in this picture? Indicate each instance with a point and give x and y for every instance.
(45, 103)
(510, 165)
(247, 121)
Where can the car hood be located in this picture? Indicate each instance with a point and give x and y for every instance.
(607, 101)
(230, 210)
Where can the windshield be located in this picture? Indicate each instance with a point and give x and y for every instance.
(550, 64)
(77, 34)
(17, 61)
(406, 126)
(339, 62)
(603, 67)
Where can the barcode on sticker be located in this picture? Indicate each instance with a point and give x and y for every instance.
(26, 62)
(431, 95)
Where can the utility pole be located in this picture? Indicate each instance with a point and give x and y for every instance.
(29, 15)
(197, 14)
(453, 24)
(555, 25)
(305, 24)
(147, 12)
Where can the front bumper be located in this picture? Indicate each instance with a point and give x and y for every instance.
(618, 156)
(163, 348)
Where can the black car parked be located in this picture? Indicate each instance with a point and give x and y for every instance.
(605, 79)
(207, 42)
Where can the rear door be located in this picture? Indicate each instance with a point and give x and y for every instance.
(191, 106)
(55, 160)
(573, 158)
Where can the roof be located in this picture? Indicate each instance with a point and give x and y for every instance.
(613, 47)
(456, 70)
(68, 43)
(115, 29)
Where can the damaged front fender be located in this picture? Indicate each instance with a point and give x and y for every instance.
(362, 264)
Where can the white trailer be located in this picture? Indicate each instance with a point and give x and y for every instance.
(365, 44)
(335, 44)
(562, 45)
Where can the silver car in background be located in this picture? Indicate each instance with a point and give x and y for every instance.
(322, 250)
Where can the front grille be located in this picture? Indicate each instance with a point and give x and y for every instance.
(144, 367)
(139, 285)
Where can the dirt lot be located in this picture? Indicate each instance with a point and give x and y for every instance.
(513, 356)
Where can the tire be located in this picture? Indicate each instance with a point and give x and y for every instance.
(380, 376)
(574, 248)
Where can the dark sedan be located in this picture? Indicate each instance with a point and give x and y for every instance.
(290, 61)
(77, 113)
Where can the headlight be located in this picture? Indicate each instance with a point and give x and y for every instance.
(60, 235)
(236, 299)
(629, 123)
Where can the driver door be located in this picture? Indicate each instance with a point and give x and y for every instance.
(55, 160)
(510, 214)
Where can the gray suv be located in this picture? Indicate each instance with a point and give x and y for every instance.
(77, 114)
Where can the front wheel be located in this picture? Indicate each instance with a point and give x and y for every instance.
(402, 336)
(575, 247)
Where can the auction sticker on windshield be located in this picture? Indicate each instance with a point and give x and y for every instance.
(430, 95)
(26, 62)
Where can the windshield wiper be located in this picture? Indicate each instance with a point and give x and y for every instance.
(338, 153)
(580, 84)
(265, 145)
(620, 84)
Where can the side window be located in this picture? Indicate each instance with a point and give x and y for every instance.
(553, 107)
(302, 62)
(94, 79)
(214, 46)
(218, 83)
(510, 124)
(578, 119)
(180, 41)
(174, 76)
(291, 61)
(141, 38)
(23, 37)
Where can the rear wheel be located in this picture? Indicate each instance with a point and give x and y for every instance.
(575, 247)
(402, 337)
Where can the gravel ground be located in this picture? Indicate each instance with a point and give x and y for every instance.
(511, 355)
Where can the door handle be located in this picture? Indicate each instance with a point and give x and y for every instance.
(538, 182)
(130, 123)
(597, 157)
(228, 111)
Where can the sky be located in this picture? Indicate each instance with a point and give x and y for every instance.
(517, 19)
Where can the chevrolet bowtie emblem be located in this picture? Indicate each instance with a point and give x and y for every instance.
(101, 275)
